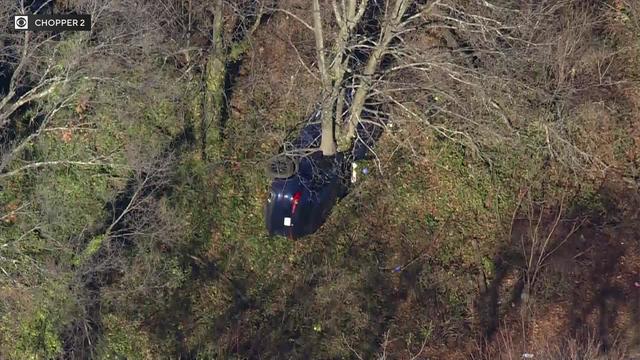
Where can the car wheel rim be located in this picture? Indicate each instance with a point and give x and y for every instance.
(281, 166)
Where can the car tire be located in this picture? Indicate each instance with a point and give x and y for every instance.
(281, 166)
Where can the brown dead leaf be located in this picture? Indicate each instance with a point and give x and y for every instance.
(67, 136)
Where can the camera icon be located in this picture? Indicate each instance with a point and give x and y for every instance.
(21, 22)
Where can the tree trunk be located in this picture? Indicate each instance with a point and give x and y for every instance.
(213, 96)
(327, 141)
(390, 27)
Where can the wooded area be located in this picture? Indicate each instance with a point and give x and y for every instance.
(499, 218)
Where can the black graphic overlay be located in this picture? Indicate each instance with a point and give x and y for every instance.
(52, 22)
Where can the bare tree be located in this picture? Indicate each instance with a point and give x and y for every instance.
(456, 84)
(397, 18)
(51, 78)
(348, 17)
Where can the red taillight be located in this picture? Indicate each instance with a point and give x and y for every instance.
(295, 200)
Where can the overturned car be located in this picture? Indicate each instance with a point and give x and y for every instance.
(305, 184)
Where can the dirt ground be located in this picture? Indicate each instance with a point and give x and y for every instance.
(588, 287)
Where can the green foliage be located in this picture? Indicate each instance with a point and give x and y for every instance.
(623, 145)
(590, 202)
(69, 200)
(68, 51)
(123, 339)
(431, 222)
(195, 200)
(36, 333)
(92, 248)
(38, 338)
(488, 267)
(238, 50)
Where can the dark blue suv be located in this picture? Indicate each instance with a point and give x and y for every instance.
(306, 184)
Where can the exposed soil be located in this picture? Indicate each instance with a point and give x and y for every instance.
(589, 287)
